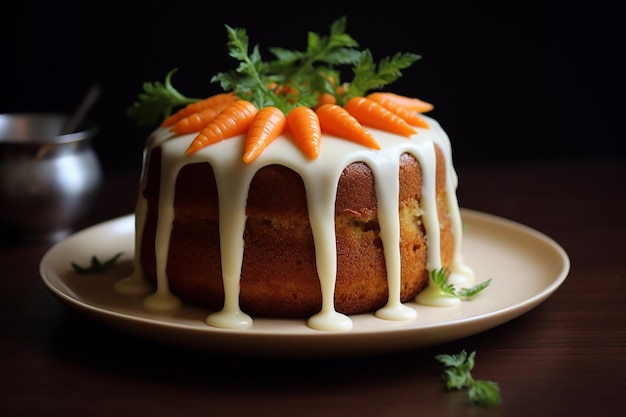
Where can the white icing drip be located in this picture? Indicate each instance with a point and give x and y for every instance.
(136, 283)
(432, 295)
(163, 299)
(427, 159)
(320, 177)
(321, 207)
(386, 173)
(233, 182)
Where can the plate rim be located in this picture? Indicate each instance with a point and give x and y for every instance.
(325, 343)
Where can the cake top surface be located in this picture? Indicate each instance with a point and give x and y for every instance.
(298, 94)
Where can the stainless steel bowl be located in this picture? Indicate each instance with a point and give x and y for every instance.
(48, 180)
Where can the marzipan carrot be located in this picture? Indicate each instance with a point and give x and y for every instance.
(197, 106)
(198, 120)
(284, 91)
(287, 90)
(325, 98)
(267, 124)
(233, 120)
(304, 126)
(411, 103)
(412, 117)
(370, 113)
(335, 120)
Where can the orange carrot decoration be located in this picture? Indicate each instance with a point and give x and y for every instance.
(335, 120)
(233, 120)
(267, 124)
(197, 106)
(197, 121)
(411, 103)
(412, 117)
(325, 98)
(287, 91)
(309, 96)
(370, 113)
(305, 129)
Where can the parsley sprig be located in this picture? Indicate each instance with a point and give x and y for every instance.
(370, 76)
(440, 279)
(457, 375)
(322, 56)
(157, 102)
(96, 265)
(247, 80)
(316, 69)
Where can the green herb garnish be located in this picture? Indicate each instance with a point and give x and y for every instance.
(457, 375)
(157, 102)
(440, 278)
(96, 266)
(369, 76)
(315, 70)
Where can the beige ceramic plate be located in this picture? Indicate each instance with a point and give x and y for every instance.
(525, 266)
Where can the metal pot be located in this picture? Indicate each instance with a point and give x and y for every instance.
(48, 180)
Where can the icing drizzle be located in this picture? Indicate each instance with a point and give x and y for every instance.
(320, 177)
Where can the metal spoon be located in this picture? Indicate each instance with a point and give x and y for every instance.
(79, 114)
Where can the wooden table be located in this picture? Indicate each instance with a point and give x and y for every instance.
(566, 357)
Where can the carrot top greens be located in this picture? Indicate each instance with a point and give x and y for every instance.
(296, 83)
(292, 79)
(157, 102)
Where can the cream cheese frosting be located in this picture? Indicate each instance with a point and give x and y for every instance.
(320, 177)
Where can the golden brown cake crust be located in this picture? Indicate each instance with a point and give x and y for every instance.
(279, 276)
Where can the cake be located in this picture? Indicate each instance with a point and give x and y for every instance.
(322, 231)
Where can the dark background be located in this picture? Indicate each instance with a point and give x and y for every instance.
(510, 81)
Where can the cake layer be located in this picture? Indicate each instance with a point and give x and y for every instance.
(354, 230)
(279, 276)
